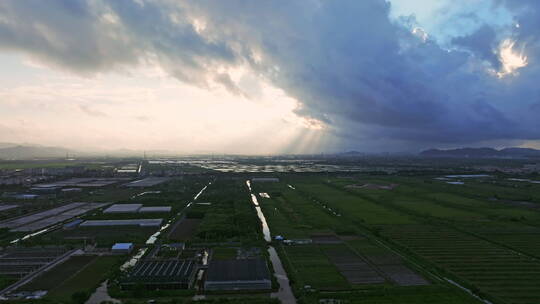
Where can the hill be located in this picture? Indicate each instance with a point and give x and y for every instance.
(30, 152)
(483, 153)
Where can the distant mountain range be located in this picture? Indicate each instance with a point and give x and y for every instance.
(8, 151)
(483, 153)
(11, 151)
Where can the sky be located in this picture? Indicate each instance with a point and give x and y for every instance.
(270, 77)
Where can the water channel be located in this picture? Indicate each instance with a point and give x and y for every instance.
(284, 294)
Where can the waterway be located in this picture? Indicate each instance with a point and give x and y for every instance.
(284, 294)
(33, 234)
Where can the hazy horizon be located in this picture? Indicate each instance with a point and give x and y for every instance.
(266, 78)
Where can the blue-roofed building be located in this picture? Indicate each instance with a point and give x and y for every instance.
(122, 248)
(73, 224)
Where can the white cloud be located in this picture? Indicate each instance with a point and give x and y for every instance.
(511, 59)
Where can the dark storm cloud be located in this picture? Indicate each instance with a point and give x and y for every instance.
(371, 78)
(94, 36)
(483, 43)
(62, 32)
(367, 77)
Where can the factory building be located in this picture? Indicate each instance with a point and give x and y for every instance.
(123, 208)
(246, 274)
(161, 274)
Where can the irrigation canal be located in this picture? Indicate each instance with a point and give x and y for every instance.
(284, 294)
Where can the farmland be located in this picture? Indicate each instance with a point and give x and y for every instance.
(482, 264)
(59, 274)
(416, 233)
(86, 279)
(184, 229)
(224, 214)
(359, 237)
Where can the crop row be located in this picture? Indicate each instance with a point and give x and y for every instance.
(476, 261)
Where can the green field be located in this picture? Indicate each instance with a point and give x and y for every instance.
(310, 266)
(227, 214)
(417, 225)
(367, 238)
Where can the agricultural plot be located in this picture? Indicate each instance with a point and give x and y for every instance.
(54, 277)
(184, 229)
(16, 263)
(310, 266)
(325, 239)
(503, 189)
(522, 238)
(229, 215)
(425, 208)
(409, 295)
(491, 208)
(486, 200)
(355, 269)
(85, 280)
(294, 215)
(389, 263)
(353, 206)
(295, 212)
(496, 271)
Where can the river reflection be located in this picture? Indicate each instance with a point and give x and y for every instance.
(284, 294)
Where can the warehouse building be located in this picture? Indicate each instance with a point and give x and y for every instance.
(247, 274)
(147, 182)
(134, 222)
(161, 274)
(123, 208)
(155, 209)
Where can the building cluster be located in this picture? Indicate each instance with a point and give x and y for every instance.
(183, 270)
